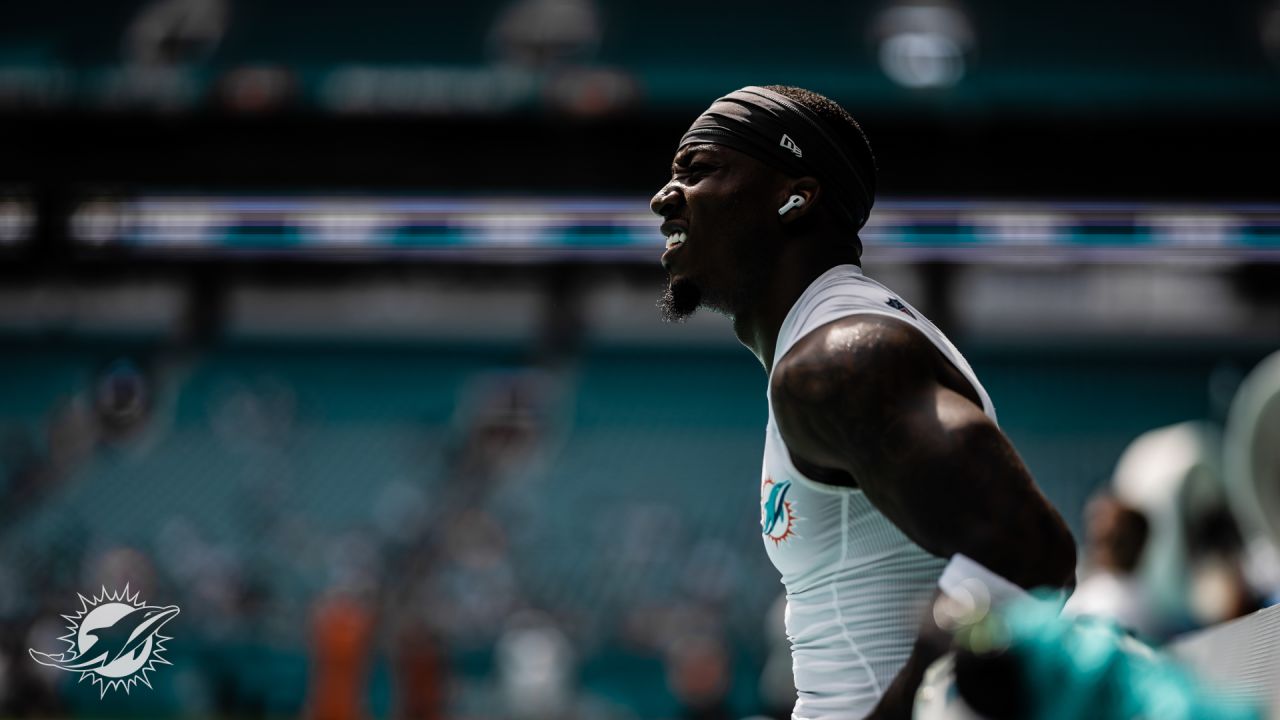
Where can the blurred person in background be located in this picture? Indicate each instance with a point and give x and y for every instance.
(1192, 570)
(882, 454)
(535, 669)
(344, 624)
(698, 675)
(1115, 536)
(29, 689)
(1219, 590)
(420, 669)
(537, 675)
(342, 646)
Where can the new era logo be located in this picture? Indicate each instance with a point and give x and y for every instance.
(896, 304)
(791, 145)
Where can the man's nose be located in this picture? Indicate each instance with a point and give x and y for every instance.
(665, 201)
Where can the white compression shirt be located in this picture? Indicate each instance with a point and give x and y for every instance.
(856, 586)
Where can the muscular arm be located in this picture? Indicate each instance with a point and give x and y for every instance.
(873, 400)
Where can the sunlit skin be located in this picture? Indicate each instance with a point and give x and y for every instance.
(866, 401)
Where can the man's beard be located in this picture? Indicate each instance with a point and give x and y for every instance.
(683, 297)
(680, 300)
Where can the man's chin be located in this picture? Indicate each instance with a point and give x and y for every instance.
(679, 301)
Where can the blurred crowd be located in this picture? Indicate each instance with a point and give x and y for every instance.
(430, 611)
(424, 612)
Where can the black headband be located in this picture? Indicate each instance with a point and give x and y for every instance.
(774, 129)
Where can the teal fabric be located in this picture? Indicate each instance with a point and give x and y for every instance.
(1089, 668)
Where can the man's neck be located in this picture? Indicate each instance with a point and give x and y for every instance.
(757, 326)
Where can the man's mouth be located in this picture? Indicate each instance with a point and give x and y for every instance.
(675, 241)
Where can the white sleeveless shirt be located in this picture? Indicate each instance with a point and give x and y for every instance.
(857, 587)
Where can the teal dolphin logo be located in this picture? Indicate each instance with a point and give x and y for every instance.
(115, 641)
(777, 518)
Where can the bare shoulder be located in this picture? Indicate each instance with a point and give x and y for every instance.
(858, 357)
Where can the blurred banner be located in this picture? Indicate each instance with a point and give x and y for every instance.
(533, 229)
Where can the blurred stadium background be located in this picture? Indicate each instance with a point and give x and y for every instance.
(333, 323)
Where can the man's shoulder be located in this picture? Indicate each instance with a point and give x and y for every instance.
(861, 354)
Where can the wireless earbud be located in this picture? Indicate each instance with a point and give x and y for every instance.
(794, 201)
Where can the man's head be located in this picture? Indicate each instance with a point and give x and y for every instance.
(1116, 534)
(737, 165)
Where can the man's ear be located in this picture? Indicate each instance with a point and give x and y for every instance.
(807, 188)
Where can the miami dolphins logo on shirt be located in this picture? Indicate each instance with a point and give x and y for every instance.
(777, 517)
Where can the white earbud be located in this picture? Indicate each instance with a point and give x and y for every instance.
(794, 201)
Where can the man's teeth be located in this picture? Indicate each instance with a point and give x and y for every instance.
(675, 238)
